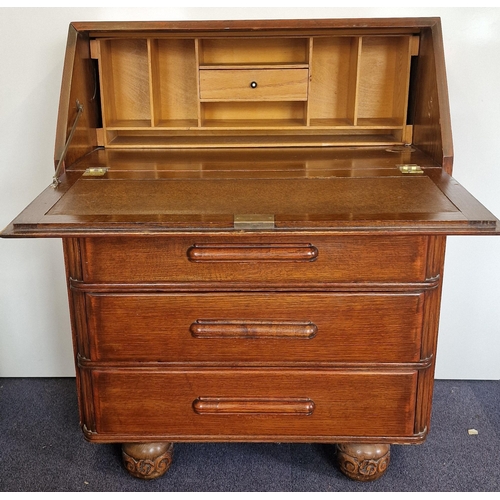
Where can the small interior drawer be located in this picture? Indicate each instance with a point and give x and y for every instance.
(254, 84)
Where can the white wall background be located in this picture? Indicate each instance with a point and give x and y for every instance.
(35, 338)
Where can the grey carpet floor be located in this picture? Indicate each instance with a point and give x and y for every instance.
(42, 450)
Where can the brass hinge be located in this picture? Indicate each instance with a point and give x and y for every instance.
(254, 221)
(95, 172)
(410, 169)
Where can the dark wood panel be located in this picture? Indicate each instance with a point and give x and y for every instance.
(230, 162)
(257, 27)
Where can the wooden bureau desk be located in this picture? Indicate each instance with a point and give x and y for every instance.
(254, 216)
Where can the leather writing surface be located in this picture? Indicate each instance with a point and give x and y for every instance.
(389, 195)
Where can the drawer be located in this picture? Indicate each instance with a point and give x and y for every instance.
(253, 405)
(246, 261)
(254, 84)
(259, 327)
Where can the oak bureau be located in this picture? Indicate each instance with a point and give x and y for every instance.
(254, 217)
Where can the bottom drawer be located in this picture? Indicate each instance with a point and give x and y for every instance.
(258, 405)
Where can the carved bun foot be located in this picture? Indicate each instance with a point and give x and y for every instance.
(147, 460)
(363, 462)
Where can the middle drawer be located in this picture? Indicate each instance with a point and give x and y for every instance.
(255, 327)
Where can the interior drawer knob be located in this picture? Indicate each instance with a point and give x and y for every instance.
(253, 85)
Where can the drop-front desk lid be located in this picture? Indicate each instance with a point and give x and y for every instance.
(282, 189)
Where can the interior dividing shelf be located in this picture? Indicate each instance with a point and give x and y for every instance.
(320, 90)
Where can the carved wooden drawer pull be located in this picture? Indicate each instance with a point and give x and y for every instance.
(215, 405)
(253, 329)
(242, 253)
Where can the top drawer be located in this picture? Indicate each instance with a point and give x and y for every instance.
(253, 261)
(253, 84)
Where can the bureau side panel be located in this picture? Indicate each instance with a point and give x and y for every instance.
(79, 87)
(431, 121)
